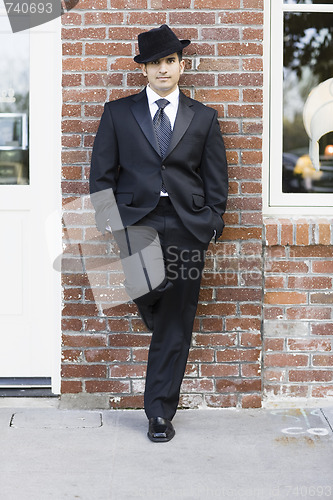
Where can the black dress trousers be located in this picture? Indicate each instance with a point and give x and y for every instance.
(174, 311)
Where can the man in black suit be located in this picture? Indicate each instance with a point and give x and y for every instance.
(162, 155)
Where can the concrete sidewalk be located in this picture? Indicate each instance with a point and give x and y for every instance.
(48, 453)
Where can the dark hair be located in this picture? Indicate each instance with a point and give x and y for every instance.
(179, 54)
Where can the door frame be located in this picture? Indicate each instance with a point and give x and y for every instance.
(51, 32)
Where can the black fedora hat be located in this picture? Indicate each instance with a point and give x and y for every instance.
(157, 43)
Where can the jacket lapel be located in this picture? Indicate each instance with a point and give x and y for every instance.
(140, 110)
(184, 117)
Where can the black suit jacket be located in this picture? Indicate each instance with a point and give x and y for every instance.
(126, 158)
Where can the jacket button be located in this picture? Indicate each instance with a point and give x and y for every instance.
(163, 167)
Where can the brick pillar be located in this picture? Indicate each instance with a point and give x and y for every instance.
(298, 307)
(105, 355)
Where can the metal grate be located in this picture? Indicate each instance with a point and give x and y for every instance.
(25, 386)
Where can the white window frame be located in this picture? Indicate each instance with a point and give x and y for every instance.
(275, 201)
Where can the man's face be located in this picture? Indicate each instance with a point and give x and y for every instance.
(163, 74)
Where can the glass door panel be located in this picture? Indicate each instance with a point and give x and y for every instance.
(14, 105)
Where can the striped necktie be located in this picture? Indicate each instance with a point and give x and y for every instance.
(162, 126)
(163, 130)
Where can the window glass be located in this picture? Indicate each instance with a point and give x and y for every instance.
(308, 120)
(312, 2)
(14, 105)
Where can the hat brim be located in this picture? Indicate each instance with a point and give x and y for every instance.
(170, 50)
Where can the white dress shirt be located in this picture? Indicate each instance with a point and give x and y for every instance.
(170, 110)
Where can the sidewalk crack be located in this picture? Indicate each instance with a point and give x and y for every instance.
(328, 423)
(11, 420)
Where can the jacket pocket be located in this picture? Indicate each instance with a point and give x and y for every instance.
(124, 198)
(198, 200)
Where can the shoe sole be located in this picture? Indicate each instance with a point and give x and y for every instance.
(160, 440)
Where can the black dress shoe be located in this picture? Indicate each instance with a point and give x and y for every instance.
(160, 430)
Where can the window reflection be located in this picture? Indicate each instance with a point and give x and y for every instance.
(14, 105)
(308, 62)
(312, 2)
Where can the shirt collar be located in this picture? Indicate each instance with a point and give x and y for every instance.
(153, 96)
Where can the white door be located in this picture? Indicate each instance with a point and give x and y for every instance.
(30, 111)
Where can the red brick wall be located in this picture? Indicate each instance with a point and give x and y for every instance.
(298, 309)
(104, 356)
